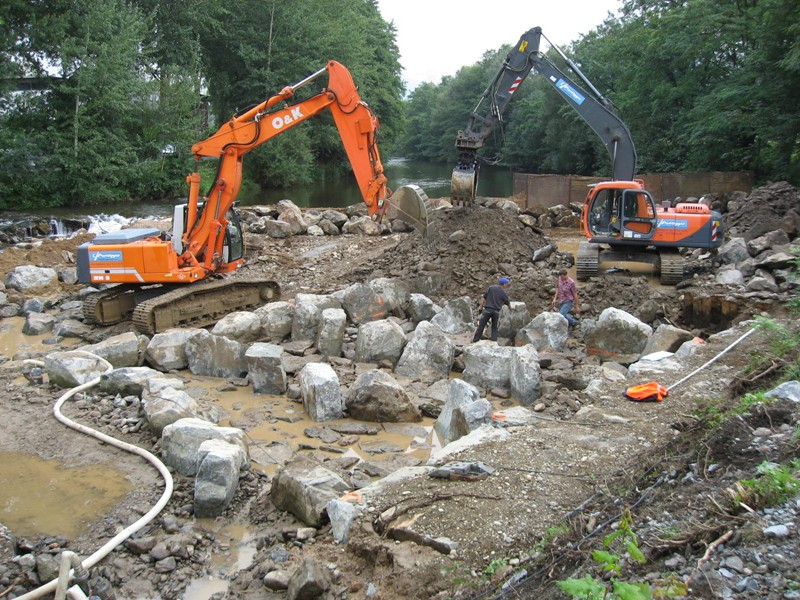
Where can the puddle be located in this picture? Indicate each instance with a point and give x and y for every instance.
(276, 427)
(205, 588)
(12, 340)
(43, 497)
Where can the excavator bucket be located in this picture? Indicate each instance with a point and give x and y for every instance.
(413, 206)
(463, 185)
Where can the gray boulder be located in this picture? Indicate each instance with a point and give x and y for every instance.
(166, 406)
(73, 368)
(217, 477)
(123, 350)
(304, 488)
(265, 368)
(319, 389)
(460, 393)
(525, 375)
(166, 351)
(332, 326)
(377, 397)
(215, 355)
(307, 314)
(618, 336)
(421, 308)
(181, 441)
(487, 365)
(428, 355)
(380, 340)
(276, 320)
(242, 326)
(456, 316)
(547, 330)
(28, 278)
(364, 304)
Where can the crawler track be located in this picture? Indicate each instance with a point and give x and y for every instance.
(159, 308)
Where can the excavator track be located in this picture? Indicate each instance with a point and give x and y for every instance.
(202, 304)
(115, 304)
(588, 264)
(672, 265)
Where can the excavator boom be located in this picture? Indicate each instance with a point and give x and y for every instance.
(207, 237)
(590, 105)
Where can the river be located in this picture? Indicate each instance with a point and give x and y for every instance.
(329, 191)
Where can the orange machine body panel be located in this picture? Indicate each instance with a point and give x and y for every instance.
(624, 213)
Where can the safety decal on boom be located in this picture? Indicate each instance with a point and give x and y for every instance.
(672, 224)
(570, 92)
(515, 85)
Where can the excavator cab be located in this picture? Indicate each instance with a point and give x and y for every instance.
(618, 215)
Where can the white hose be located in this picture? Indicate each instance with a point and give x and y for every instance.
(700, 368)
(109, 546)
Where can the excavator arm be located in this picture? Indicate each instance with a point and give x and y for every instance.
(591, 106)
(357, 125)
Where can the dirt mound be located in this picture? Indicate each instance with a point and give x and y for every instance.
(774, 206)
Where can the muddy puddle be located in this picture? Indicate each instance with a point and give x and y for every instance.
(39, 496)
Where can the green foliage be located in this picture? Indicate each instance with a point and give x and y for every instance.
(124, 80)
(693, 100)
(622, 539)
(776, 484)
(495, 565)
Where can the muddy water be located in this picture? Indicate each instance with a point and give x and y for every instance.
(276, 426)
(39, 496)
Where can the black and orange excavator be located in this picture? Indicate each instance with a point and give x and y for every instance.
(620, 217)
(207, 239)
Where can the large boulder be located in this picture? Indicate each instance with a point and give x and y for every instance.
(330, 336)
(394, 293)
(376, 396)
(29, 278)
(166, 406)
(618, 336)
(304, 488)
(73, 368)
(512, 319)
(380, 340)
(166, 351)
(525, 375)
(307, 314)
(456, 316)
(487, 365)
(215, 355)
(428, 355)
(181, 441)
(319, 389)
(460, 393)
(123, 350)
(276, 320)
(242, 326)
(217, 477)
(547, 330)
(364, 304)
(265, 368)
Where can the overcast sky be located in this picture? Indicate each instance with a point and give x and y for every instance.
(438, 37)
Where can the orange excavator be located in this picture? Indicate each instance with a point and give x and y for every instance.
(619, 218)
(168, 279)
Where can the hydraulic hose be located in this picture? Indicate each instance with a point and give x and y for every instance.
(123, 535)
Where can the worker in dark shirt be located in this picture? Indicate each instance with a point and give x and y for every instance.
(493, 300)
